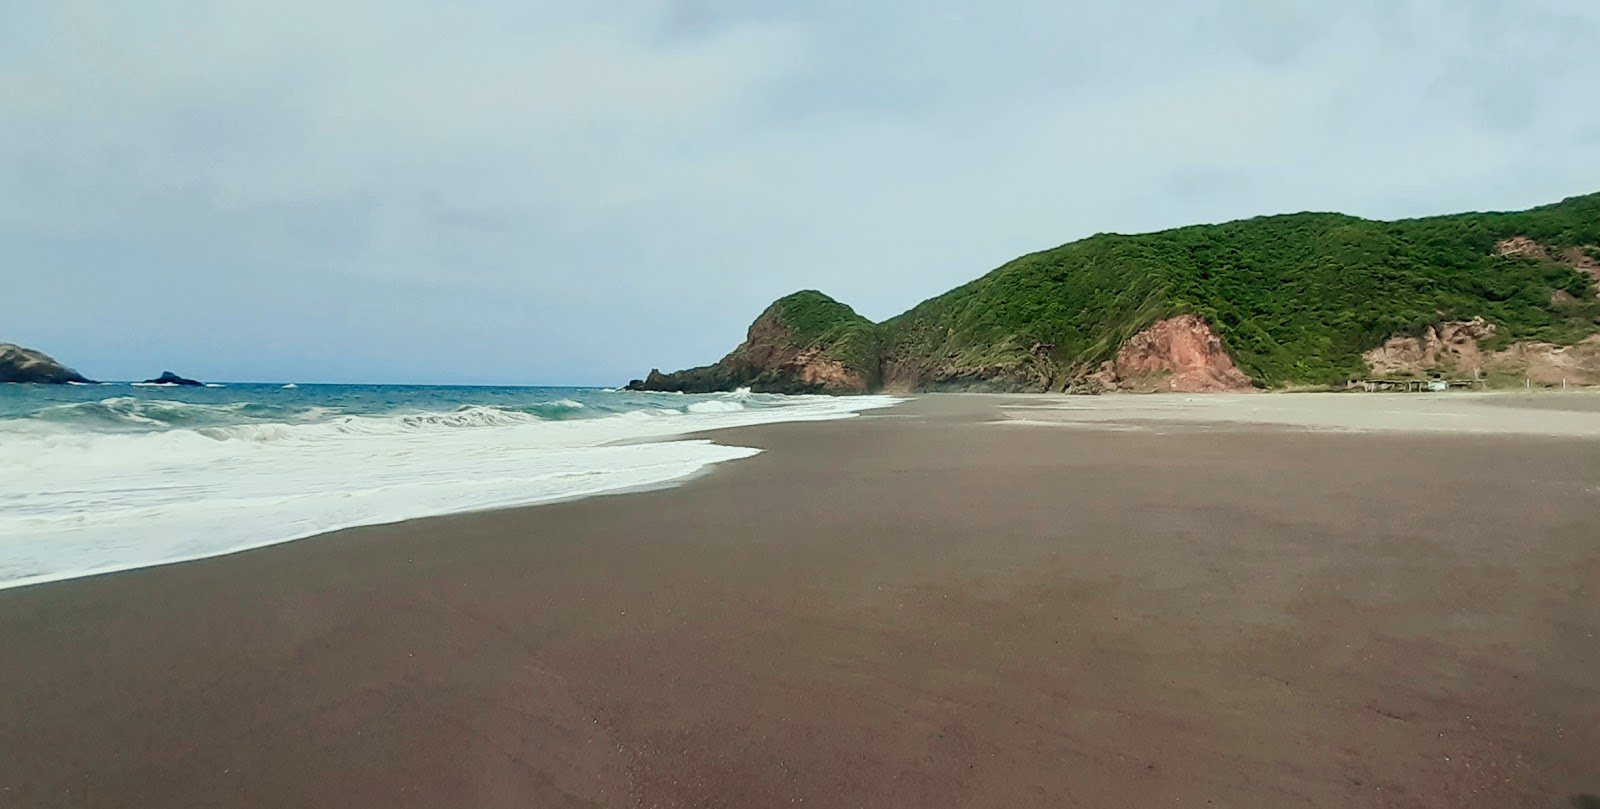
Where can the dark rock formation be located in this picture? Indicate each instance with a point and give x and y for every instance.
(170, 378)
(18, 364)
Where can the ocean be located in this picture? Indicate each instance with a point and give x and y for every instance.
(97, 478)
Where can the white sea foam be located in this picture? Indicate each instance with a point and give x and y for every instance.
(715, 407)
(76, 502)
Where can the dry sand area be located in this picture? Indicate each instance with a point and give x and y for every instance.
(1377, 600)
(1573, 414)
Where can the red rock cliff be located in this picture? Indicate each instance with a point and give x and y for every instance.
(1179, 354)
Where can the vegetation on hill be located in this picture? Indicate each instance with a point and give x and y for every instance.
(1295, 299)
(816, 320)
(806, 342)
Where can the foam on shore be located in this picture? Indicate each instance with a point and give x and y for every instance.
(162, 482)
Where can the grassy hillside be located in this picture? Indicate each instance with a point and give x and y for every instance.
(1296, 299)
(816, 320)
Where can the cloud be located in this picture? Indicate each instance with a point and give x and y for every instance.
(574, 192)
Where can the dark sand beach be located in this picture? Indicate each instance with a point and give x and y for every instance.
(918, 607)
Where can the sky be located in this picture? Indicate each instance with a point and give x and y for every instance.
(574, 192)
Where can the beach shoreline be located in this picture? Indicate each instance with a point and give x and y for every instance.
(918, 606)
(92, 485)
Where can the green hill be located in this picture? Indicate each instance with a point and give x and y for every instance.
(1294, 299)
(803, 343)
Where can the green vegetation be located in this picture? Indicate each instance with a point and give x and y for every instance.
(803, 343)
(815, 320)
(1296, 299)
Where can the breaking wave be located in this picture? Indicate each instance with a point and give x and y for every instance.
(98, 484)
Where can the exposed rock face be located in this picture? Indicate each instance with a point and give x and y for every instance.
(1454, 349)
(1550, 364)
(18, 364)
(803, 343)
(170, 378)
(1520, 246)
(1451, 346)
(1179, 354)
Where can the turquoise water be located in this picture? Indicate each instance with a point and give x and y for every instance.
(97, 478)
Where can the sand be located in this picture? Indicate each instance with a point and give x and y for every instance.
(926, 606)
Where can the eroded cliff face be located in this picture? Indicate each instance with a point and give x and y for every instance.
(773, 360)
(1180, 354)
(1446, 346)
(1454, 349)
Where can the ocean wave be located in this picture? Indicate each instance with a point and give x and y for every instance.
(269, 418)
(181, 480)
(132, 412)
(715, 407)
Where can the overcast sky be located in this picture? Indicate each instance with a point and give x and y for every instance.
(555, 192)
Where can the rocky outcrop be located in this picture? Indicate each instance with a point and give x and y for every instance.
(18, 364)
(803, 343)
(170, 378)
(1448, 346)
(1520, 246)
(1455, 349)
(1549, 364)
(1180, 354)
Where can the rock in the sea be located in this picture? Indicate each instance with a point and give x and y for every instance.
(18, 364)
(170, 378)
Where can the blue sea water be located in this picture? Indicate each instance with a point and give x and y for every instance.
(95, 478)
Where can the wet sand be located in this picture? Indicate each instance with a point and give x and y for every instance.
(927, 606)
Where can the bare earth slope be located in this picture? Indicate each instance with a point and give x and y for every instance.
(1179, 354)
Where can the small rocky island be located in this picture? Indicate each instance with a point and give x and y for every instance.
(170, 378)
(26, 365)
